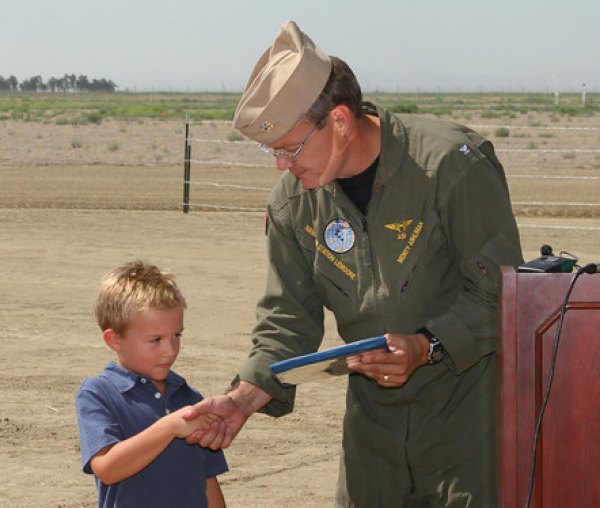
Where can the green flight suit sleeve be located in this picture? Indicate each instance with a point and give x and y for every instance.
(289, 315)
(481, 229)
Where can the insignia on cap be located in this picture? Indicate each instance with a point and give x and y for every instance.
(266, 127)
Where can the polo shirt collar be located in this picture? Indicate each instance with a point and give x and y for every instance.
(125, 380)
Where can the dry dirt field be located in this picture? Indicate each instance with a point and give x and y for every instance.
(76, 201)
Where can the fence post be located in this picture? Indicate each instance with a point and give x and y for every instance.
(187, 152)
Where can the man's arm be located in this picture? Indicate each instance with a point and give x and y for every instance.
(482, 233)
(232, 409)
(117, 462)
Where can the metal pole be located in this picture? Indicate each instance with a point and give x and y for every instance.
(186, 167)
(188, 174)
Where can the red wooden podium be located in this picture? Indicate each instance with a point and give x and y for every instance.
(568, 452)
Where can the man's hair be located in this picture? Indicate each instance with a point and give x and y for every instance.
(133, 287)
(341, 88)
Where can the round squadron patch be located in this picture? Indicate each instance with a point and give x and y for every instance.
(339, 236)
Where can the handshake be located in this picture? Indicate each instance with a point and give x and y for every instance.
(214, 422)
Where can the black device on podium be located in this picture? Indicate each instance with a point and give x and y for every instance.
(549, 263)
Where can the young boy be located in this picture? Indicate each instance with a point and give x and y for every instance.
(130, 421)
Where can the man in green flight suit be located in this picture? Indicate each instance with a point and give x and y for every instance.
(398, 225)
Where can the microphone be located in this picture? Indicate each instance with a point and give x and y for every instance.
(590, 268)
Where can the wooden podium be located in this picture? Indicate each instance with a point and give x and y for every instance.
(568, 451)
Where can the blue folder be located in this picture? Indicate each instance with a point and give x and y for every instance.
(323, 364)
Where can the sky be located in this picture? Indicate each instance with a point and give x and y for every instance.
(393, 45)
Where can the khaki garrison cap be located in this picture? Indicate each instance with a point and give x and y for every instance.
(286, 81)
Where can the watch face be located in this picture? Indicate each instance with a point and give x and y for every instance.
(436, 352)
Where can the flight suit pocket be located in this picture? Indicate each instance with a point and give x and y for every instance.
(483, 268)
(334, 278)
(427, 255)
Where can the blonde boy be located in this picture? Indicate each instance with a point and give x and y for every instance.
(130, 421)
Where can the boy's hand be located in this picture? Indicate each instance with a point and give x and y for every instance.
(182, 428)
(230, 413)
(224, 427)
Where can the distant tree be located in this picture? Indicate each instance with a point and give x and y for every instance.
(61, 85)
(102, 85)
(27, 85)
(33, 84)
(52, 84)
(82, 84)
(14, 83)
(72, 81)
(67, 83)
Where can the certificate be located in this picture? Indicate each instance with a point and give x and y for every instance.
(323, 364)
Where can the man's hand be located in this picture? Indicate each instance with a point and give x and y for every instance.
(232, 410)
(221, 432)
(181, 427)
(392, 368)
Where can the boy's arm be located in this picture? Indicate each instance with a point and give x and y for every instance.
(115, 463)
(214, 493)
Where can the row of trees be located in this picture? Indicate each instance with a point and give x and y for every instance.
(68, 83)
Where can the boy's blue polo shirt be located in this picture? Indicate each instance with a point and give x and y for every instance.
(119, 404)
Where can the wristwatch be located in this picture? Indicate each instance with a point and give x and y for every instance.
(436, 352)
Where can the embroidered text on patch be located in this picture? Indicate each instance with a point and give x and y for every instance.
(338, 263)
(411, 241)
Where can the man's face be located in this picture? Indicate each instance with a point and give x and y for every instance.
(318, 162)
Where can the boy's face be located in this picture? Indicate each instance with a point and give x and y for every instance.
(150, 344)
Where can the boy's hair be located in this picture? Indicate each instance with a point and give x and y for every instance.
(133, 287)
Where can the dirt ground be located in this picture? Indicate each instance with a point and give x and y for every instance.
(76, 201)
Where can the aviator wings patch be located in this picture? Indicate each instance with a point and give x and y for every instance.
(400, 228)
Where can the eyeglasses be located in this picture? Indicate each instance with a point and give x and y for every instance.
(284, 154)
